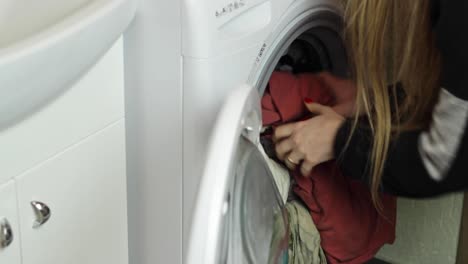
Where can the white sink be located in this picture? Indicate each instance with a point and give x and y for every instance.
(39, 16)
(46, 45)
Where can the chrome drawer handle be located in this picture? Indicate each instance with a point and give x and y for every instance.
(42, 212)
(6, 234)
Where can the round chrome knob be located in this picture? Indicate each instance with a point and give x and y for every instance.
(6, 233)
(42, 212)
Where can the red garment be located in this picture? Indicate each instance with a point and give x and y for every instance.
(351, 229)
(283, 100)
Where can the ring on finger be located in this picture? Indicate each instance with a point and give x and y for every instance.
(292, 161)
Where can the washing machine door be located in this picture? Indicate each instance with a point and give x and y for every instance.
(239, 216)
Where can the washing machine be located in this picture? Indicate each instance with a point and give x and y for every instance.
(239, 214)
(195, 73)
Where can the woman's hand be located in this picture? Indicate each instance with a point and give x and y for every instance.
(310, 142)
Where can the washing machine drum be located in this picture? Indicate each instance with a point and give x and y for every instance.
(254, 225)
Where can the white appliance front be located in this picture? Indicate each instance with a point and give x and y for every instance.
(207, 80)
(225, 227)
(182, 60)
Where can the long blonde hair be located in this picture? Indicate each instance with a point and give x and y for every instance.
(391, 41)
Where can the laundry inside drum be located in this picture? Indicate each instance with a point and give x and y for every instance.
(316, 50)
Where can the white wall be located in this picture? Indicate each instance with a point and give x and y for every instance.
(427, 231)
(154, 143)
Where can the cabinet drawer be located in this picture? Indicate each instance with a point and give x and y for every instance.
(91, 103)
(9, 221)
(85, 190)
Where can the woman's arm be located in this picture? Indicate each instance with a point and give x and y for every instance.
(406, 172)
(433, 161)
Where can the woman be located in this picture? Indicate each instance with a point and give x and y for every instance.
(404, 131)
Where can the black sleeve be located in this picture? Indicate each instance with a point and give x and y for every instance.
(451, 29)
(405, 173)
(428, 162)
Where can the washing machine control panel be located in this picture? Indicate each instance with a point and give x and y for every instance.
(229, 8)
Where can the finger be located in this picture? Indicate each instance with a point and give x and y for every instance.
(283, 132)
(296, 156)
(317, 108)
(306, 168)
(294, 159)
(290, 163)
(320, 109)
(283, 148)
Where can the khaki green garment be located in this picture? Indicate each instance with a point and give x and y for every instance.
(304, 238)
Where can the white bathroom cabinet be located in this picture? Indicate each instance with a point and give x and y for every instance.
(9, 242)
(63, 174)
(87, 203)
